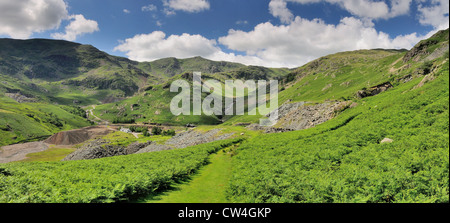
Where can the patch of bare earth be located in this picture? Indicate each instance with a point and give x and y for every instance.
(66, 139)
(19, 151)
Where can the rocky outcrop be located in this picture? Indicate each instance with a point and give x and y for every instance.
(417, 52)
(426, 79)
(135, 147)
(439, 52)
(386, 140)
(374, 90)
(310, 115)
(101, 148)
(303, 115)
(96, 149)
(154, 147)
(186, 139)
(193, 137)
(19, 97)
(422, 51)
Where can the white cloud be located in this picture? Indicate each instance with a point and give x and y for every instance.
(278, 8)
(148, 47)
(187, 5)
(269, 45)
(78, 26)
(304, 40)
(435, 14)
(156, 45)
(22, 18)
(126, 11)
(293, 43)
(169, 12)
(149, 8)
(367, 9)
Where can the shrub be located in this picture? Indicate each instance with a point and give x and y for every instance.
(169, 132)
(145, 133)
(156, 131)
(123, 120)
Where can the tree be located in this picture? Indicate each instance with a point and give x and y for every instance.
(156, 130)
(145, 133)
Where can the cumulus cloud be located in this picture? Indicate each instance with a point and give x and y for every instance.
(186, 5)
(22, 18)
(77, 27)
(297, 40)
(290, 45)
(368, 9)
(435, 14)
(156, 45)
(147, 47)
(278, 8)
(304, 40)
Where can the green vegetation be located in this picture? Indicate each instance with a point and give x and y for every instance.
(152, 106)
(52, 154)
(208, 186)
(156, 131)
(138, 128)
(123, 120)
(67, 73)
(22, 122)
(346, 159)
(103, 180)
(343, 160)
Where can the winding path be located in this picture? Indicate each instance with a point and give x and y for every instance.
(96, 119)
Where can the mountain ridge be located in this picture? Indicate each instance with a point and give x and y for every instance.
(139, 91)
(49, 63)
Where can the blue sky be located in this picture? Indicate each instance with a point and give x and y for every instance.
(276, 33)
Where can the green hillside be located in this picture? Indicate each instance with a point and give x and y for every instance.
(389, 145)
(33, 121)
(344, 160)
(53, 72)
(151, 106)
(340, 76)
(71, 73)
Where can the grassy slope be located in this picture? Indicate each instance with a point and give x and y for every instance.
(102, 180)
(340, 75)
(335, 77)
(51, 154)
(63, 71)
(66, 73)
(154, 107)
(338, 161)
(343, 161)
(26, 121)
